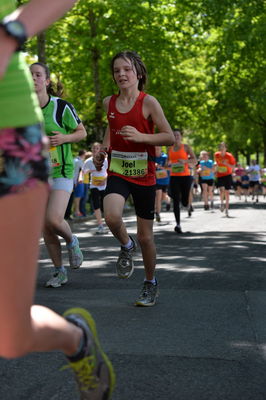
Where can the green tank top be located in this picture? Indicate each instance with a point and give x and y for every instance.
(60, 116)
(19, 105)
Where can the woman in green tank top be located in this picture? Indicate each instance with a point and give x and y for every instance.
(63, 127)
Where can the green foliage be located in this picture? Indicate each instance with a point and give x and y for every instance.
(205, 59)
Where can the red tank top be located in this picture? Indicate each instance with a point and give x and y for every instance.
(177, 168)
(133, 162)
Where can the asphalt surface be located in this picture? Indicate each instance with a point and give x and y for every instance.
(204, 340)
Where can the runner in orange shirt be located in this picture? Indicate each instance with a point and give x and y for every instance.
(180, 158)
(225, 163)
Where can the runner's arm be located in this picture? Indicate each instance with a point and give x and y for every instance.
(75, 137)
(192, 161)
(35, 16)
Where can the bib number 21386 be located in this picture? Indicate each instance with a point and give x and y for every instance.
(134, 165)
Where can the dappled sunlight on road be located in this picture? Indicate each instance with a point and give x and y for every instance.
(188, 269)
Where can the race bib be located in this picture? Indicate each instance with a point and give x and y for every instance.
(54, 157)
(222, 168)
(134, 165)
(98, 180)
(161, 174)
(177, 168)
(206, 172)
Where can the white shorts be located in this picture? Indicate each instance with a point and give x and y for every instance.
(62, 184)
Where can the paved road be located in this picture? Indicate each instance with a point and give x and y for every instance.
(204, 340)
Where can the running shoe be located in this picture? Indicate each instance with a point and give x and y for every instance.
(125, 264)
(168, 206)
(226, 212)
(58, 279)
(93, 372)
(158, 217)
(148, 295)
(78, 215)
(222, 208)
(212, 205)
(178, 229)
(74, 254)
(101, 230)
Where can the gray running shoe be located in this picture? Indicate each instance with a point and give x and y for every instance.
(125, 264)
(74, 254)
(93, 372)
(148, 295)
(58, 279)
(101, 230)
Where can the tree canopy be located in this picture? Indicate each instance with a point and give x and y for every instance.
(205, 59)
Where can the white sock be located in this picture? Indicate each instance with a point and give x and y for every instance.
(153, 281)
(128, 245)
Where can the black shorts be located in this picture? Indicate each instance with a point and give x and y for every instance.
(97, 198)
(180, 187)
(162, 187)
(237, 183)
(225, 181)
(209, 182)
(253, 183)
(143, 196)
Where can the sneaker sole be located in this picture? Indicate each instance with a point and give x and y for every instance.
(90, 321)
(123, 276)
(133, 267)
(76, 266)
(140, 304)
(82, 257)
(61, 284)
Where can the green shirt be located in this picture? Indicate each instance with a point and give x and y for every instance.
(6, 7)
(60, 116)
(18, 102)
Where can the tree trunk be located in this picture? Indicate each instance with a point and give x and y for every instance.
(41, 41)
(264, 146)
(95, 56)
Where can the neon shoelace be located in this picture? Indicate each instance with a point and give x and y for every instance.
(84, 372)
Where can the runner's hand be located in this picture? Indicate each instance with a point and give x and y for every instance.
(98, 160)
(132, 134)
(57, 139)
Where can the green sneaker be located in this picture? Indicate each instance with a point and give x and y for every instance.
(125, 264)
(148, 295)
(94, 372)
(74, 253)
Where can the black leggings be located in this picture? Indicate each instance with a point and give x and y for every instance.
(179, 191)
